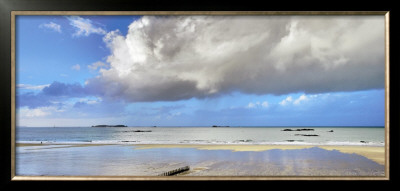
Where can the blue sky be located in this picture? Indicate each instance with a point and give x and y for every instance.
(199, 71)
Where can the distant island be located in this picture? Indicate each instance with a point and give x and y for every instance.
(109, 126)
(218, 126)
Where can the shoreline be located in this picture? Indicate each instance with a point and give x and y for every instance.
(374, 153)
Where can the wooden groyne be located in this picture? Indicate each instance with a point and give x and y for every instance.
(175, 171)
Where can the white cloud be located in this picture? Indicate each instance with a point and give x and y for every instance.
(96, 65)
(76, 67)
(25, 112)
(32, 87)
(258, 104)
(52, 26)
(84, 27)
(165, 58)
(91, 101)
(297, 101)
(251, 105)
(300, 99)
(286, 101)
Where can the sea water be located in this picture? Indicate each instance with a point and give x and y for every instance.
(368, 136)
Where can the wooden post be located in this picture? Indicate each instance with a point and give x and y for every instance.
(175, 171)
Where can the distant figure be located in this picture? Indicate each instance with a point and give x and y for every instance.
(40, 142)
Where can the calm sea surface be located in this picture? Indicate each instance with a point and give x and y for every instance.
(371, 136)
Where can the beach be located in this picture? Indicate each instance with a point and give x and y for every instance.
(203, 159)
(219, 152)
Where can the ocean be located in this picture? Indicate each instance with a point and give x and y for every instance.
(356, 136)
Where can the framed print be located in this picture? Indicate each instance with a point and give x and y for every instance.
(185, 95)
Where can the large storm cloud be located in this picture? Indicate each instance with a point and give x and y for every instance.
(166, 58)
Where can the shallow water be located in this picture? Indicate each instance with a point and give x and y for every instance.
(205, 135)
(125, 160)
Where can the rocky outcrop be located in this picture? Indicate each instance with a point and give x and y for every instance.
(218, 126)
(136, 131)
(298, 130)
(307, 135)
(294, 140)
(109, 126)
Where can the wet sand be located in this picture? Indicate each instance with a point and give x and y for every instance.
(204, 160)
(374, 153)
(50, 146)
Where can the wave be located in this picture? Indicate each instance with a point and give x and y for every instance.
(213, 142)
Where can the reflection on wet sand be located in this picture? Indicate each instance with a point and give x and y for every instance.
(122, 160)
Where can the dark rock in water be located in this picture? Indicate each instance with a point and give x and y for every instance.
(136, 131)
(364, 141)
(109, 126)
(294, 140)
(307, 135)
(298, 130)
(99, 125)
(141, 131)
(219, 126)
(304, 129)
(248, 140)
(330, 131)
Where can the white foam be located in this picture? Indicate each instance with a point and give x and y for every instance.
(214, 142)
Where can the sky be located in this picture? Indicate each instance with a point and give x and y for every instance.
(77, 71)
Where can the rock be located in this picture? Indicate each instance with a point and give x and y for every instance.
(248, 140)
(109, 126)
(304, 129)
(298, 130)
(219, 126)
(307, 135)
(136, 131)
